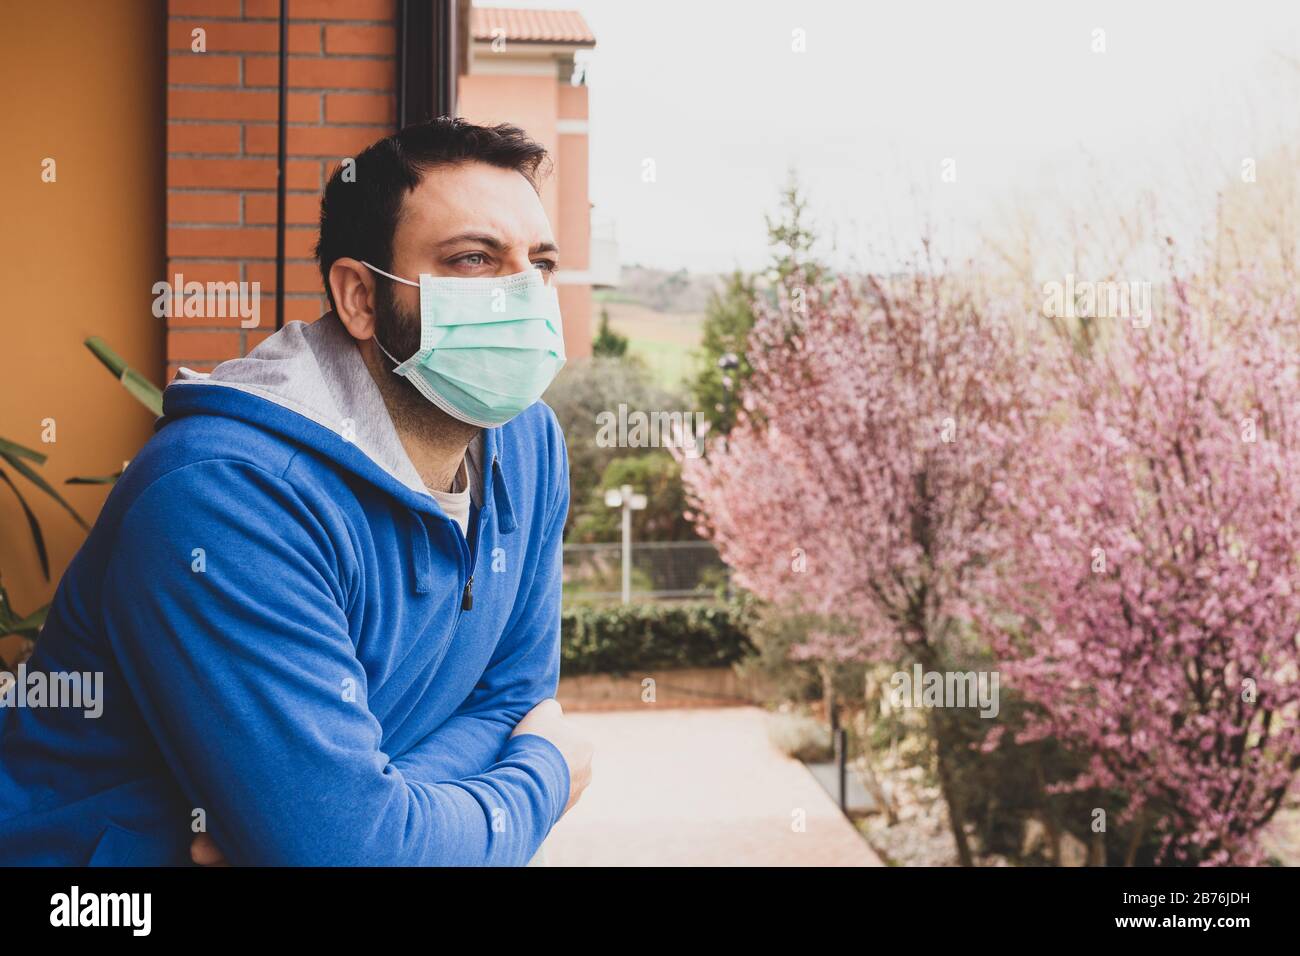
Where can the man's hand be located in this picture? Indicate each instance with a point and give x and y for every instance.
(547, 720)
(205, 852)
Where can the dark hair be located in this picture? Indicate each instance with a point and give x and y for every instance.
(359, 215)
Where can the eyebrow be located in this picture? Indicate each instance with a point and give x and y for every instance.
(492, 242)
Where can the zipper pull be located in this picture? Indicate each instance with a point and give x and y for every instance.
(467, 601)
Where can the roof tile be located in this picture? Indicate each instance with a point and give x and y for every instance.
(530, 26)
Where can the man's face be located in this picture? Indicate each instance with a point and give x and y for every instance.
(470, 220)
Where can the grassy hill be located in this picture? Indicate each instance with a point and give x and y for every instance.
(665, 341)
(662, 315)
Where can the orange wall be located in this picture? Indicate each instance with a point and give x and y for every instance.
(574, 232)
(84, 86)
(576, 310)
(574, 226)
(530, 102)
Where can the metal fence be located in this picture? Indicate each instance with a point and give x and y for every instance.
(661, 570)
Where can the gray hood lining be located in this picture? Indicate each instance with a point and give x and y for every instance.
(316, 371)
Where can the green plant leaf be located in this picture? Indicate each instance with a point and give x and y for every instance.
(30, 626)
(94, 480)
(23, 469)
(37, 537)
(7, 616)
(20, 451)
(146, 392)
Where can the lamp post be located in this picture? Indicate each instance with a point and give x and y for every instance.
(624, 498)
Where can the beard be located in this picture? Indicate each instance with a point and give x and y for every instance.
(397, 329)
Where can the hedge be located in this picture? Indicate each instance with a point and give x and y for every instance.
(621, 639)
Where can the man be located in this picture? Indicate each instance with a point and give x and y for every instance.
(325, 596)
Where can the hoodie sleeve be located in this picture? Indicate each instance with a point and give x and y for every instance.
(224, 607)
(524, 669)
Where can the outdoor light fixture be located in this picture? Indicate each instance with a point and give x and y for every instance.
(624, 498)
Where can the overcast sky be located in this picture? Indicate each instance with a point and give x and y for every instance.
(1013, 93)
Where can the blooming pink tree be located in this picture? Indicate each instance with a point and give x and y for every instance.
(859, 479)
(1155, 571)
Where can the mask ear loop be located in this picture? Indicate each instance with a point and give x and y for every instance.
(381, 272)
(387, 354)
(389, 274)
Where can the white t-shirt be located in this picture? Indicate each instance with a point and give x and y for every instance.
(456, 502)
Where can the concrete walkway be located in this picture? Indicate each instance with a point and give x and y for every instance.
(699, 788)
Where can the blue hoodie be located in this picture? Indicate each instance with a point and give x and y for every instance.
(301, 652)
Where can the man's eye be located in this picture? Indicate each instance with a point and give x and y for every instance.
(478, 257)
(546, 265)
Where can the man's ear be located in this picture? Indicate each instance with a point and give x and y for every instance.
(353, 287)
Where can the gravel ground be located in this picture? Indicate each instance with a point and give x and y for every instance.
(699, 788)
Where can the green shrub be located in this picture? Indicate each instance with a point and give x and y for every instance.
(775, 631)
(622, 639)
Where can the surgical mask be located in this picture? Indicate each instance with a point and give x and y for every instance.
(489, 347)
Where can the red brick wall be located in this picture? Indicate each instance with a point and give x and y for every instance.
(222, 109)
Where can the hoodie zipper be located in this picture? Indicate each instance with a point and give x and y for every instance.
(467, 592)
(470, 557)
(467, 596)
